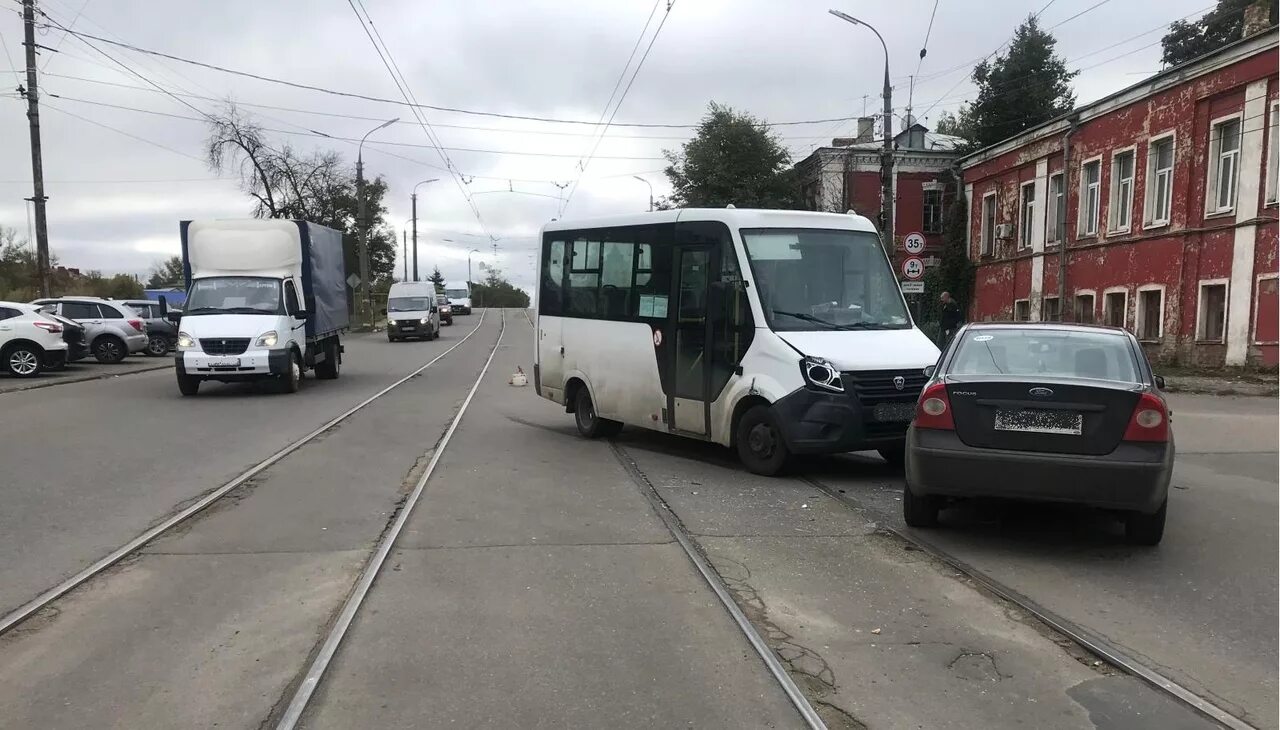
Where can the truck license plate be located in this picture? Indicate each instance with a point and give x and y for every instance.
(1067, 423)
(232, 362)
(894, 412)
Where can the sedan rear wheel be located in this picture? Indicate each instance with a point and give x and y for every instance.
(157, 346)
(109, 349)
(919, 510)
(1144, 529)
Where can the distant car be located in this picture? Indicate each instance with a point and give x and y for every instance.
(446, 310)
(30, 341)
(162, 335)
(411, 311)
(112, 329)
(1043, 412)
(459, 300)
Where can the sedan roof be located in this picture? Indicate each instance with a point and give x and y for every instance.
(1078, 326)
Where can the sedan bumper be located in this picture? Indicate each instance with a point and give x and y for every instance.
(1135, 476)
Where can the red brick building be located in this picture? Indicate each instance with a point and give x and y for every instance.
(1167, 207)
(846, 176)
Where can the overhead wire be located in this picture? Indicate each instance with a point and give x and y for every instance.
(639, 65)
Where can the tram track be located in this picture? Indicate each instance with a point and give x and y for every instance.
(165, 525)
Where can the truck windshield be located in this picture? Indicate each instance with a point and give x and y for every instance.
(820, 279)
(234, 295)
(408, 304)
(456, 293)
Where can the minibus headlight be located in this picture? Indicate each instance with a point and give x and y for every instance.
(821, 374)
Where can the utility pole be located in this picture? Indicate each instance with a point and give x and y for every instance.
(414, 199)
(404, 254)
(886, 161)
(362, 228)
(37, 162)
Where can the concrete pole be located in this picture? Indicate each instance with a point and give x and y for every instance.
(37, 161)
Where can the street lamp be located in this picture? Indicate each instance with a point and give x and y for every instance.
(362, 225)
(413, 197)
(886, 155)
(646, 182)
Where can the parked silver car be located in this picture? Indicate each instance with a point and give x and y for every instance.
(112, 329)
(162, 335)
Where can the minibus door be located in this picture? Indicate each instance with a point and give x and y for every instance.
(691, 327)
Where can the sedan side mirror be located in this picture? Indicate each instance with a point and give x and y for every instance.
(1160, 382)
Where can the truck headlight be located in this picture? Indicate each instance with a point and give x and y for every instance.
(267, 339)
(185, 341)
(822, 374)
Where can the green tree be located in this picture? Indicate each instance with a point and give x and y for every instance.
(317, 187)
(166, 273)
(496, 291)
(733, 158)
(436, 278)
(1028, 85)
(957, 124)
(955, 270)
(1215, 29)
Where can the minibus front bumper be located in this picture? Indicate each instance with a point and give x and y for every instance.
(820, 422)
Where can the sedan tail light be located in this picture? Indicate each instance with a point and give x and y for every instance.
(136, 324)
(49, 326)
(1149, 422)
(934, 409)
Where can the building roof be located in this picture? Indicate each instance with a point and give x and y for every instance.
(1208, 63)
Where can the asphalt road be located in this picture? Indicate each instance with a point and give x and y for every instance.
(89, 465)
(1201, 607)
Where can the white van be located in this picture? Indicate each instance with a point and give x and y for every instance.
(774, 332)
(412, 311)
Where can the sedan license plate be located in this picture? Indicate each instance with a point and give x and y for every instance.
(894, 412)
(1067, 423)
(231, 362)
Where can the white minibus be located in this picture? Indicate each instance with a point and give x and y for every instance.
(769, 331)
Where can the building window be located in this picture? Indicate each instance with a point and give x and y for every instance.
(1224, 164)
(1159, 199)
(1121, 209)
(1273, 155)
(1150, 314)
(1115, 305)
(1056, 213)
(933, 211)
(1211, 325)
(1090, 196)
(1051, 311)
(988, 224)
(1266, 311)
(1022, 310)
(1027, 213)
(1084, 308)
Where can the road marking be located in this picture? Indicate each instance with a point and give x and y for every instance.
(676, 528)
(1091, 641)
(25, 611)
(315, 672)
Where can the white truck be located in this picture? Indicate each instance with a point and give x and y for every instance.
(266, 299)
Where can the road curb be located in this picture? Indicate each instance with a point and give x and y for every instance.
(86, 378)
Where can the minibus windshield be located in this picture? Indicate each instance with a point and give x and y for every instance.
(821, 279)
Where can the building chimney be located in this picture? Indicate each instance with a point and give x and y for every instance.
(866, 129)
(1257, 18)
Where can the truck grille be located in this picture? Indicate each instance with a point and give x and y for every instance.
(224, 346)
(875, 387)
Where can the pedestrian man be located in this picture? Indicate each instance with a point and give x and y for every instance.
(951, 319)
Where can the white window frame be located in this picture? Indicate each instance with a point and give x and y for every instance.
(1026, 227)
(1257, 289)
(1085, 293)
(1115, 205)
(1124, 319)
(1044, 309)
(1273, 155)
(1226, 299)
(1053, 206)
(1139, 312)
(1215, 162)
(1149, 197)
(1016, 302)
(1083, 226)
(987, 237)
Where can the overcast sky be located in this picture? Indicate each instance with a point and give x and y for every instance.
(115, 201)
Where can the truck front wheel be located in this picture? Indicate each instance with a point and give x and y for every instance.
(188, 384)
(291, 379)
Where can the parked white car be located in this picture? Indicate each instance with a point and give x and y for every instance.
(29, 341)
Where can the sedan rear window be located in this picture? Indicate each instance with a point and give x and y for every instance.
(1039, 352)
